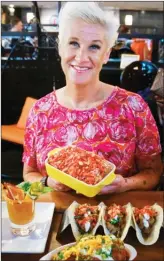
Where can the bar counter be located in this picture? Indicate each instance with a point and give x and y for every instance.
(62, 200)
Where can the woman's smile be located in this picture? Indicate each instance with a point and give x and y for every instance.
(80, 69)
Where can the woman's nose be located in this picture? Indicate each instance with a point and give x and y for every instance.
(81, 55)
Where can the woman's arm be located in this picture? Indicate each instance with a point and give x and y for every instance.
(150, 170)
(32, 175)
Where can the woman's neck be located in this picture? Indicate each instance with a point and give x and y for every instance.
(83, 96)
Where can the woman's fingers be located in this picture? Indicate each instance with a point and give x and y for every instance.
(118, 185)
(57, 185)
(108, 189)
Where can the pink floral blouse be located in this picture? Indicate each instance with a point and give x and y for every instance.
(121, 129)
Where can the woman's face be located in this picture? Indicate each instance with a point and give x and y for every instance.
(83, 51)
(19, 26)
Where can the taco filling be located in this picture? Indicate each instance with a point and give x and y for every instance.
(145, 219)
(86, 217)
(95, 248)
(115, 218)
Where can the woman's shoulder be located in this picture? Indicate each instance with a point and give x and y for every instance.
(45, 103)
(131, 99)
(126, 93)
(123, 98)
(121, 94)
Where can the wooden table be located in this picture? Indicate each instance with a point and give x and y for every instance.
(63, 200)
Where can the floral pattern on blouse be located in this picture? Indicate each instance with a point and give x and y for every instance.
(121, 129)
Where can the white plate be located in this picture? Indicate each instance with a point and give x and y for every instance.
(132, 252)
(36, 241)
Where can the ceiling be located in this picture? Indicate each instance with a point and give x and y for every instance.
(130, 5)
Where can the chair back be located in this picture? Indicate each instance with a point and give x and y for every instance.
(138, 76)
(29, 102)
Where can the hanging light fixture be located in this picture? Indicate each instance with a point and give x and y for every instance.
(128, 19)
(11, 9)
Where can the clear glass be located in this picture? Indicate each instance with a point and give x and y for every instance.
(21, 215)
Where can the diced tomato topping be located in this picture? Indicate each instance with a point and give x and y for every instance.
(146, 210)
(119, 254)
(85, 213)
(114, 210)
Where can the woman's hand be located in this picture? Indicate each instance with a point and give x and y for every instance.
(118, 185)
(57, 185)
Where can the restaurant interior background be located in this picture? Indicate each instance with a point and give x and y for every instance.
(31, 65)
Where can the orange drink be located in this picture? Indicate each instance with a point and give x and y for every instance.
(21, 212)
(20, 201)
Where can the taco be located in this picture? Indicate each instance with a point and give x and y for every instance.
(84, 219)
(95, 248)
(116, 220)
(147, 222)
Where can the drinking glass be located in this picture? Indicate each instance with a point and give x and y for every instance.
(21, 216)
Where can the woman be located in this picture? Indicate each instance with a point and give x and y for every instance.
(17, 25)
(89, 113)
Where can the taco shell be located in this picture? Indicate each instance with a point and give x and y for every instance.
(128, 221)
(75, 229)
(154, 235)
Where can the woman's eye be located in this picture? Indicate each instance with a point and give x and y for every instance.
(73, 43)
(95, 46)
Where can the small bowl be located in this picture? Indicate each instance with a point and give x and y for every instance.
(78, 185)
(131, 250)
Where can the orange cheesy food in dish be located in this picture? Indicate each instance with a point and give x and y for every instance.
(145, 219)
(80, 164)
(115, 218)
(95, 248)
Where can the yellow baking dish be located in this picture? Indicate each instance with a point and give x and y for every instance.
(78, 185)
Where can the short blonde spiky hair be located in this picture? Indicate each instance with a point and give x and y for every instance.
(89, 12)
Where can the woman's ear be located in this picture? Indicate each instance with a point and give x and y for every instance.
(106, 58)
